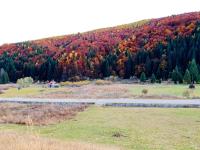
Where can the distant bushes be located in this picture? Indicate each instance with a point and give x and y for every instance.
(186, 94)
(102, 82)
(144, 91)
(24, 82)
(77, 84)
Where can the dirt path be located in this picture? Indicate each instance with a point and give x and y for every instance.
(111, 102)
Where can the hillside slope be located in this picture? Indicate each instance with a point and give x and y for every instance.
(152, 46)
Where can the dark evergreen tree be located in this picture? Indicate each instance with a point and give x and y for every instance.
(148, 68)
(153, 78)
(193, 71)
(177, 76)
(7, 63)
(105, 68)
(143, 77)
(3, 76)
(187, 77)
(174, 76)
(158, 73)
(129, 66)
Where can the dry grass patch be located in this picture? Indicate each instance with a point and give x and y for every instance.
(37, 114)
(4, 87)
(103, 82)
(13, 141)
(76, 84)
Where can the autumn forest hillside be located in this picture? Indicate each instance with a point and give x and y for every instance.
(160, 47)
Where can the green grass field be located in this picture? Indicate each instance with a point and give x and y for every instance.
(156, 91)
(166, 90)
(128, 128)
(29, 91)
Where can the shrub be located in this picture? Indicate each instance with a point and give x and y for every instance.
(75, 79)
(159, 81)
(112, 78)
(24, 82)
(186, 94)
(191, 86)
(102, 82)
(78, 84)
(144, 91)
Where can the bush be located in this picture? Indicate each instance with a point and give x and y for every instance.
(144, 91)
(24, 82)
(102, 82)
(159, 81)
(186, 94)
(112, 78)
(75, 79)
(191, 86)
(77, 84)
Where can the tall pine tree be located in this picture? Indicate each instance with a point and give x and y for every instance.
(194, 72)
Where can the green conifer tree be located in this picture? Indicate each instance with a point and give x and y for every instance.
(143, 77)
(187, 77)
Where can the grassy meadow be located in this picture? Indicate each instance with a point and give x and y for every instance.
(126, 128)
(105, 89)
(171, 90)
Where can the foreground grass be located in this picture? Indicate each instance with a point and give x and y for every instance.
(166, 90)
(16, 141)
(129, 128)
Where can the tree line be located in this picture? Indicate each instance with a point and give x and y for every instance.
(178, 59)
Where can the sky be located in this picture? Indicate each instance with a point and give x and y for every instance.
(22, 20)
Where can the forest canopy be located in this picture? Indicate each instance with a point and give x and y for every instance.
(164, 48)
